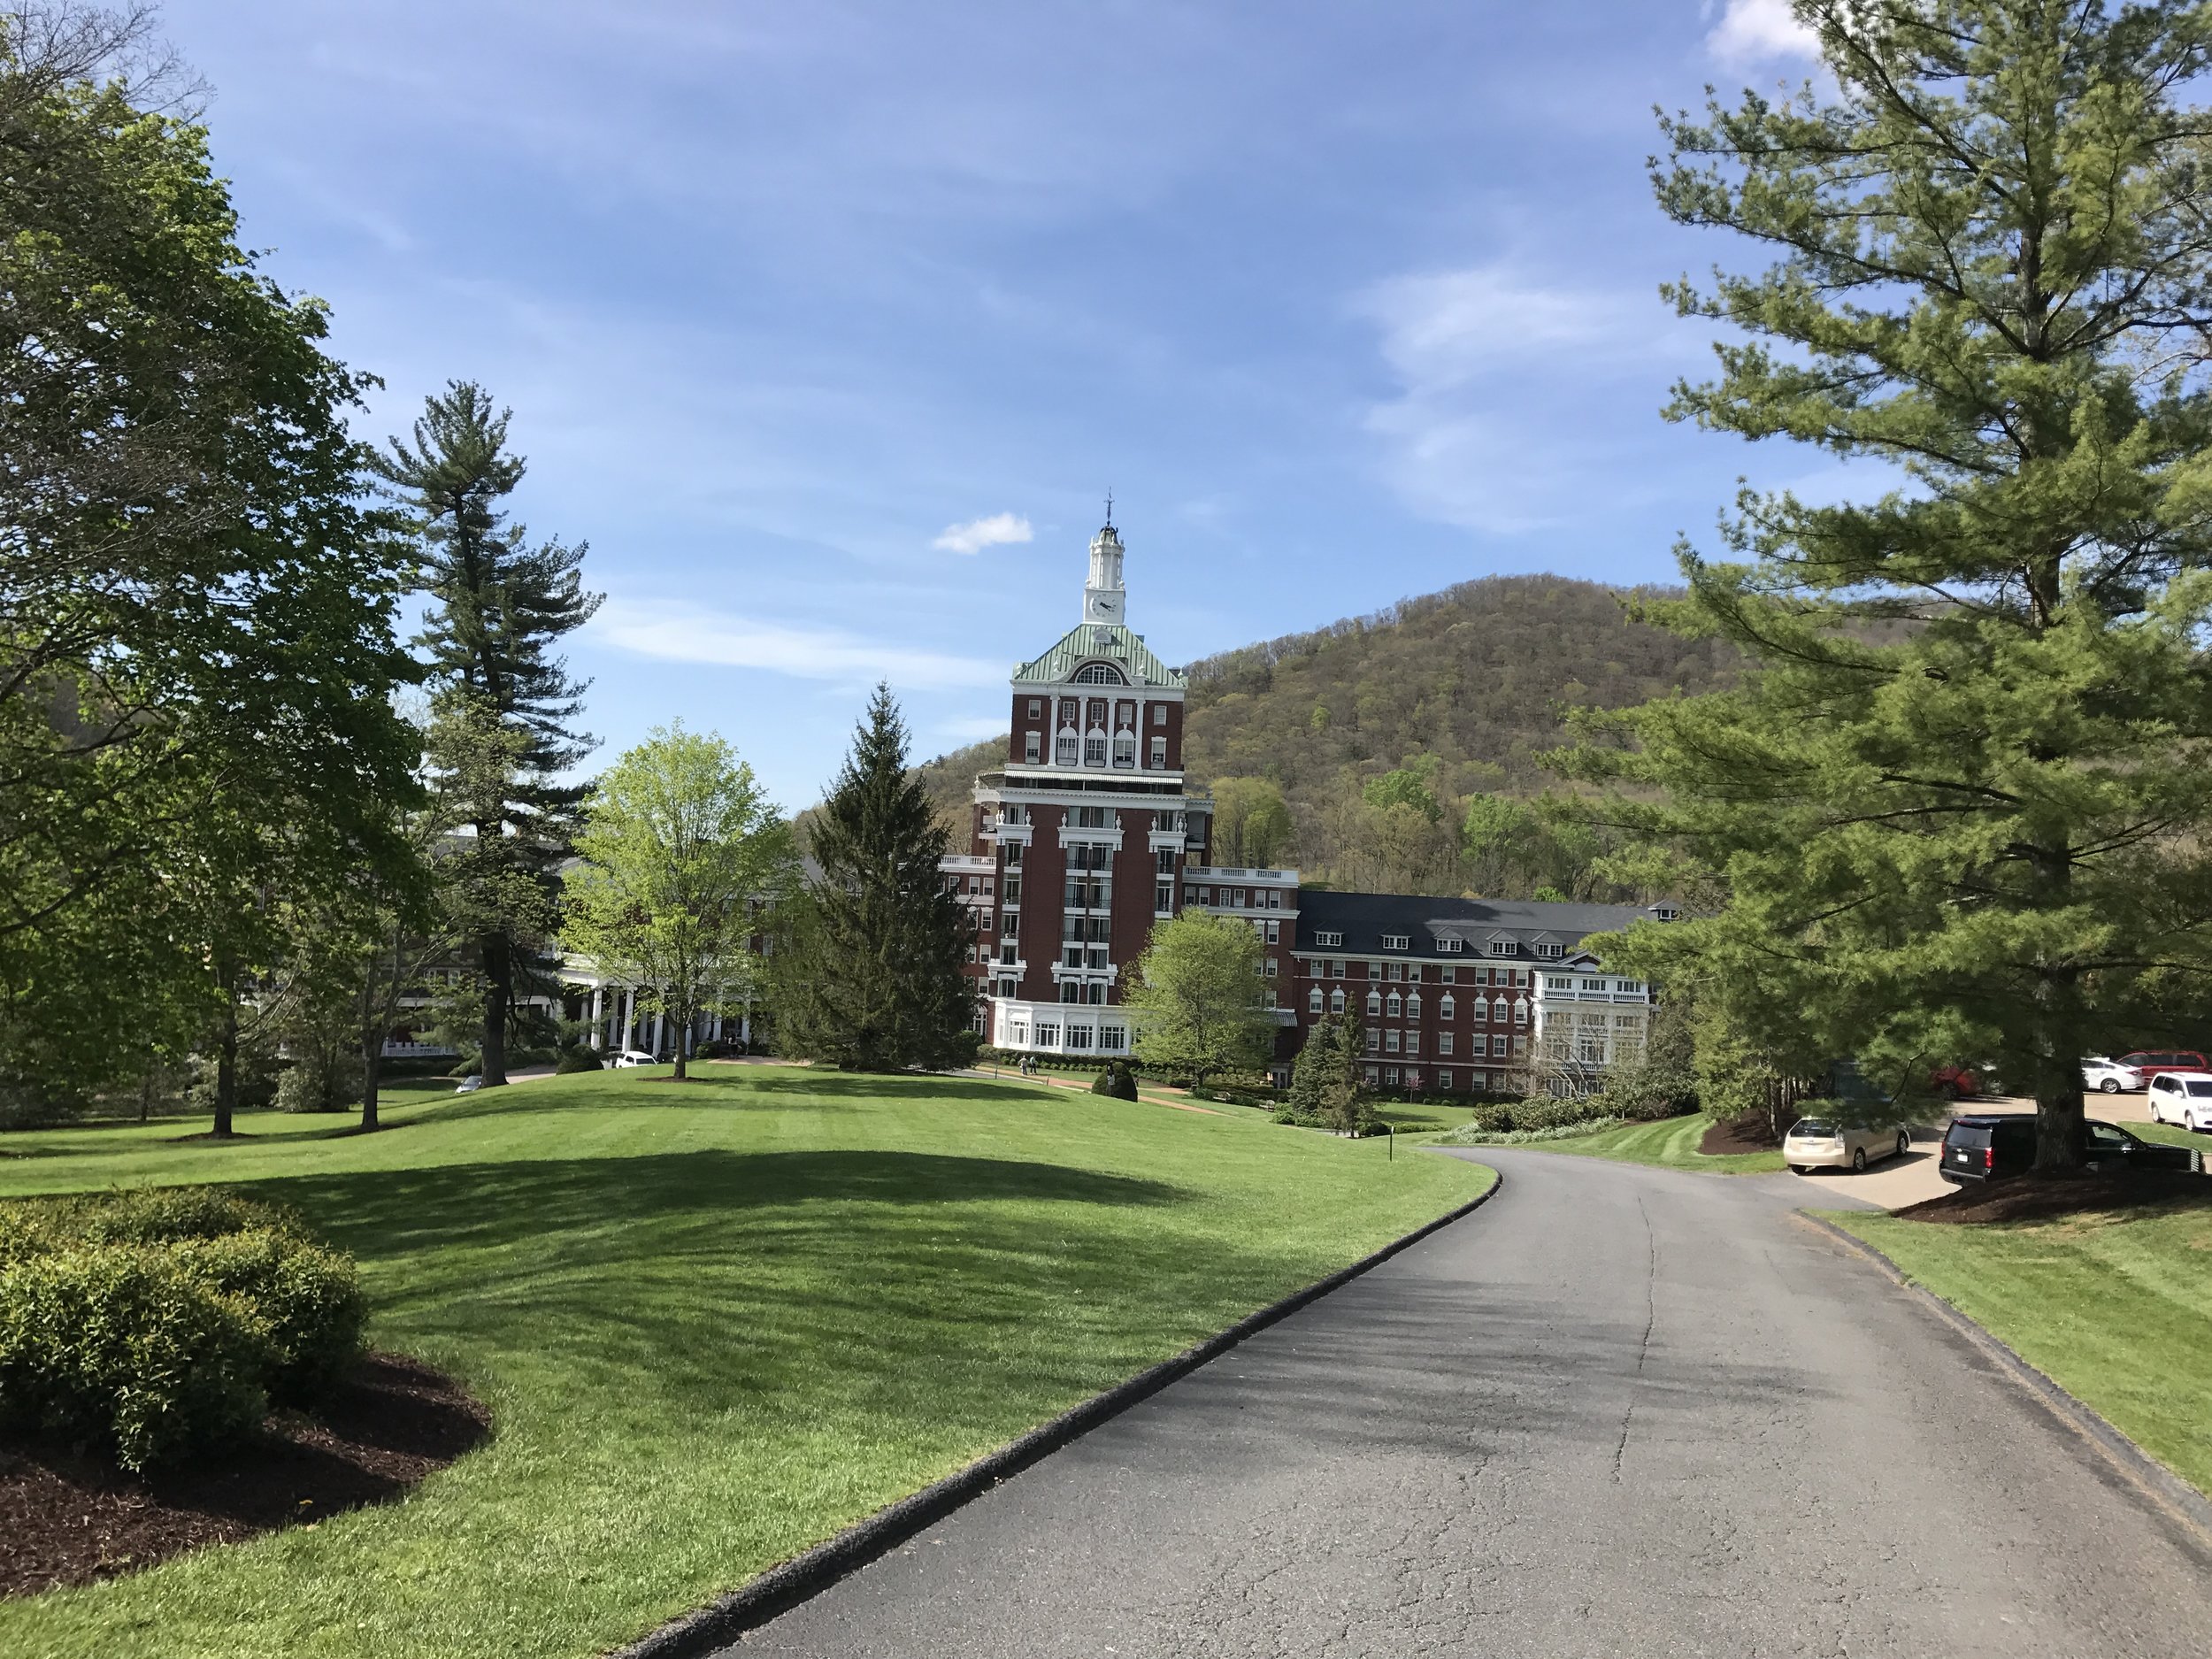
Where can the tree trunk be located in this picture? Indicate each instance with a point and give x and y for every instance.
(372, 1065)
(499, 980)
(683, 1040)
(2061, 1024)
(227, 1064)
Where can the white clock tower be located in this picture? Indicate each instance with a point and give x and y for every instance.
(1104, 598)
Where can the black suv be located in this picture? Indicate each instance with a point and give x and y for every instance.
(1989, 1146)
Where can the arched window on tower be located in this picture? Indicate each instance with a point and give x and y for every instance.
(1336, 1000)
(1100, 674)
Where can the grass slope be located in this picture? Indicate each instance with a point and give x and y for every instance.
(1670, 1143)
(715, 1323)
(2115, 1307)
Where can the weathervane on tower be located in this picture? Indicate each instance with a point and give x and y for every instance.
(1110, 507)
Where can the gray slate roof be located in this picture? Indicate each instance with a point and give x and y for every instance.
(1364, 919)
(1106, 641)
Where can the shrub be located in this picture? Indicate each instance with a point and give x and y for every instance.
(122, 1347)
(1116, 1081)
(578, 1059)
(158, 1322)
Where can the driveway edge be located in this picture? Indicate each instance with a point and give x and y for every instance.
(805, 1576)
(2165, 1489)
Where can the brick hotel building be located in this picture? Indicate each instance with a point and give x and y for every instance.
(1089, 833)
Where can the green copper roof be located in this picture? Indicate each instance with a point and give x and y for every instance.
(1099, 641)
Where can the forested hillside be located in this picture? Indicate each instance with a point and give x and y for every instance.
(1393, 751)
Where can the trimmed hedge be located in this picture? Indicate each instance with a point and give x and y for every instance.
(578, 1059)
(153, 1324)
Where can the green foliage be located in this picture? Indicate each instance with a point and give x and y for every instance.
(868, 971)
(1251, 823)
(680, 844)
(195, 605)
(1413, 787)
(1199, 1000)
(576, 1059)
(498, 608)
(1962, 805)
(153, 1324)
(1115, 1081)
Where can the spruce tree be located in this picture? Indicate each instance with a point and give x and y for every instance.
(1959, 808)
(498, 606)
(872, 977)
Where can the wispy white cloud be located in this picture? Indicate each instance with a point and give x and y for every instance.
(1753, 31)
(682, 633)
(998, 530)
(1470, 439)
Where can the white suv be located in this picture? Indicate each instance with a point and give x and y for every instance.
(2109, 1076)
(633, 1057)
(2183, 1098)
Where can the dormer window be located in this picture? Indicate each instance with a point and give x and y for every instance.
(1100, 674)
(1504, 947)
(1451, 947)
(1395, 941)
(1551, 953)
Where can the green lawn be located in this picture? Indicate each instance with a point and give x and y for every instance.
(716, 1323)
(2116, 1309)
(1671, 1143)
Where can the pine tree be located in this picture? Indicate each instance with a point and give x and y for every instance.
(870, 978)
(498, 607)
(1958, 809)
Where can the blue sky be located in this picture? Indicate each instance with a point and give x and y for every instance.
(828, 326)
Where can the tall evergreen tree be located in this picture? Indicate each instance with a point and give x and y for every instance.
(871, 977)
(1960, 809)
(498, 607)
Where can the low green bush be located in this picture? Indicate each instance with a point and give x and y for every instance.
(125, 1349)
(1494, 1117)
(1116, 1081)
(152, 1324)
(578, 1059)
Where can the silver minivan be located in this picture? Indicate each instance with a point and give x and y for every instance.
(1821, 1143)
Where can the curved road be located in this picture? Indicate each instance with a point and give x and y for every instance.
(1615, 1411)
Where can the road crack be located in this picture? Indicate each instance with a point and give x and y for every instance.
(1643, 1350)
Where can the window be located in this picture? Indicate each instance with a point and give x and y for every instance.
(1159, 714)
(1328, 939)
(1272, 963)
(1032, 746)
(1047, 1036)
(1627, 987)
(1504, 947)
(1551, 952)
(1087, 817)
(1007, 952)
(1013, 887)
(1448, 974)
(1336, 969)
(1095, 752)
(1390, 1077)
(1558, 982)
(1079, 1036)
(1482, 1011)
(1498, 1011)
(1164, 898)
(1374, 1041)
(1065, 753)
(1036, 708)
(1394, 1007)
(1444, 1045)
(1371, 1077)
(1444, 1079)
(1099, 674)
(1202, 895)
(1520, 1013)
(1449, 947)
(1413, 1005)
(1394, 941)
(1593, 985)
(1313, 1001)
(1390, 1042)
(1413, 1043)
(1159, 754)
(1448, 1006)
(1113, 1039)
(1336, 1000)
(1374, 1005)
(1274, 932)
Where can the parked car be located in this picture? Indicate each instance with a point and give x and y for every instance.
(633, 1057)
(2183, 1098)
(470, 1084)
(1819, 1143)
(1954, 1082)
(1990, 1145)
(2109, 1077)
(2150, 1063)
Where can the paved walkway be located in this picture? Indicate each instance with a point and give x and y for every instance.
(1617, 1411)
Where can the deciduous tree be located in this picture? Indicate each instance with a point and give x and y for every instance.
(679, 844)
(1199, 999)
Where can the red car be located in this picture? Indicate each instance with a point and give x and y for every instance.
(2151, 1061)
(1954, 1082)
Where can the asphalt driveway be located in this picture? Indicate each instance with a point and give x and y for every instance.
(1616, 1412)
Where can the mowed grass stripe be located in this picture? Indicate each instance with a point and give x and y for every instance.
(716, 1323)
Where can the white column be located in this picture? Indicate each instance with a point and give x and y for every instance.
(629, 1015)
(597, 992)
(656, 1044)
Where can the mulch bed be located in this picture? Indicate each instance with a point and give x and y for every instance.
(1745, 1134)
(2044, 1197)
(68, 1520)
